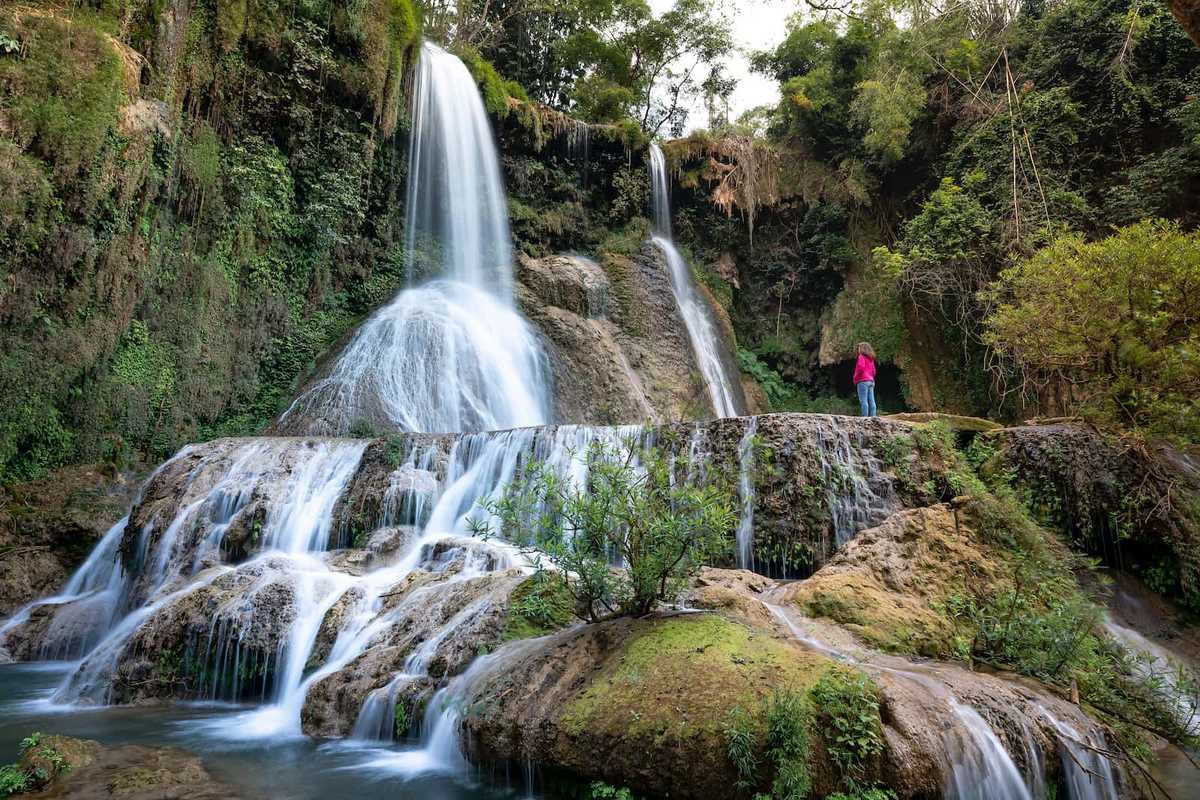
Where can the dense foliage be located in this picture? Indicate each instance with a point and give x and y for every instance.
(1114, 323)
(603, 61)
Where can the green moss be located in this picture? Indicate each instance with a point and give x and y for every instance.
(391, 37)
(495, 90)
(541, 604)
(714, 662)
(29, 208)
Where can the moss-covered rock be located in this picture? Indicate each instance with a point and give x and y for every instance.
(1134, 505)
(638, 703)
(85, 769)
(892, 584)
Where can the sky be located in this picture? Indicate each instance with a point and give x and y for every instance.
(757, 25)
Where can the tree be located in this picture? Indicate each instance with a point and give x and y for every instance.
(629, 536)
(1116, 321)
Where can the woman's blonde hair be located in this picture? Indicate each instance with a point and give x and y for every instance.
(864, 349)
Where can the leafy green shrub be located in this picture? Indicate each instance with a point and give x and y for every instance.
(638, 508)
(787, 743)
(784, 747)
(604, 791)
(13, 780)
(779, 392)
(846, 705)
(1114, 320)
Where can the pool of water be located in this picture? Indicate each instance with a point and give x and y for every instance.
(280, 768)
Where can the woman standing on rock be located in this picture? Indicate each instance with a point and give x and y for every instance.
(864, 379)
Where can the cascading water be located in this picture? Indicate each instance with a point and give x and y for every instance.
(697, 317)
(450, 354)
(745, 529)
(86, 607)
(980, 768)
(1088, 773)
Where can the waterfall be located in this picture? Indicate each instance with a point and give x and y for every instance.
(745, 530)
(450, 352)
(86, 607)
(702, 329)
(980, 768)
(1088, 773)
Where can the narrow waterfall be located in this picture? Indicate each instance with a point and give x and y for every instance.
(719, 377)
(450, 352)
(1088, 772)
(86, 607)
(745, 529)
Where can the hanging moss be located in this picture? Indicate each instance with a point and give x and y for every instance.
(391, 31)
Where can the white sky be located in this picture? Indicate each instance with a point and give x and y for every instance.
(757, 25)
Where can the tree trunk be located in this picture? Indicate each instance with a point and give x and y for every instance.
(1188, 14)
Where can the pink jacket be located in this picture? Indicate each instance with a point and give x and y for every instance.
(864, 370)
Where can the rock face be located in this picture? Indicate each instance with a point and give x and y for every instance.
(646, 703)
(1130, 504)
(883, 584)
(48, 527)
(618, 347)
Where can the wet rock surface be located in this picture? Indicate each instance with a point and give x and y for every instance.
(618, 349)
(1129, 503)
(130, 772)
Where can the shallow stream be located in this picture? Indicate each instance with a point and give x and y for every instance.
(282, 768)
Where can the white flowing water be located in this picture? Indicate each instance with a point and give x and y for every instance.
(847, 465)
(450, 353)
(90, 602)
(702, 329)
(1160, 667)
(745, 530)
(1087, 769)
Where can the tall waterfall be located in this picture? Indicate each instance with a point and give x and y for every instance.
(702, 329)
(450, 352)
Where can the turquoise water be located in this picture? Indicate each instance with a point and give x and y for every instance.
(287, 768)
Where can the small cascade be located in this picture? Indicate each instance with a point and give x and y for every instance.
(1087, 771)
(86, 607)
(703, 331)
(858, 493)
(1160, 666)
(980, 768)
(745, 530)
(294, 484)
(450, 352)
(376, 720)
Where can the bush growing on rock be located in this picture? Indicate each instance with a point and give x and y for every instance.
(1110, 322)
(636, 508)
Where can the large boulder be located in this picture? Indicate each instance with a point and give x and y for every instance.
(618, 349)
(887, 584)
